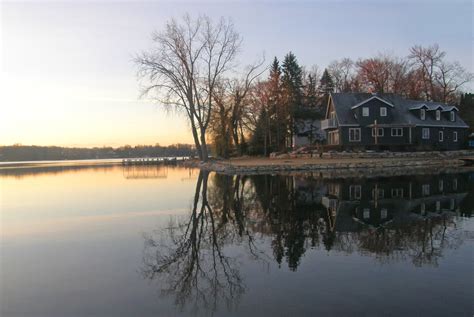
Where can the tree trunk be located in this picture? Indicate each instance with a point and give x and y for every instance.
(196, 139)
(204, 151)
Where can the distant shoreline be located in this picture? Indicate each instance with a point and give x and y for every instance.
(85, 162)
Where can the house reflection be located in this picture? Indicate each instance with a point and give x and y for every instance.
(378, 202)
(281, 217)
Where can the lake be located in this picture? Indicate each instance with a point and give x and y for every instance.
(171, 241)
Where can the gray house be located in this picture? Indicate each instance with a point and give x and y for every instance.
(388, 121)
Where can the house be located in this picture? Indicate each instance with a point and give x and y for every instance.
(388, 121)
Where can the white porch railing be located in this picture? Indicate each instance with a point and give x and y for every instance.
(328, 124)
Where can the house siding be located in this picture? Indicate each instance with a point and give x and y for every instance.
(411, 137)
(374, 106)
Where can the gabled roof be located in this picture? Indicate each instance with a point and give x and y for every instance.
(450, 108)
(372, 98)
(344, 103)
(420, 106)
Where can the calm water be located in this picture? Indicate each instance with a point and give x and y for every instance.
(114, 241)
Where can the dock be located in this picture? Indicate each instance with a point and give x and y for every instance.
(152, 161)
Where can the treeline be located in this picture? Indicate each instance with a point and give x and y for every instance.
(250, 114)
(40, 153)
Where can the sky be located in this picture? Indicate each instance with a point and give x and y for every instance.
(67, 75)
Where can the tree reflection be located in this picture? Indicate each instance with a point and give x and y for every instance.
(401, 219)
(190, 257)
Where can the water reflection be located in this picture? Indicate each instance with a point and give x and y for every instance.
(192, 261)
(409, 218)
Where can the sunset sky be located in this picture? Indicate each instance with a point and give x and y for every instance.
(67, 76)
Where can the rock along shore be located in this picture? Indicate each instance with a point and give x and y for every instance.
(334, 164)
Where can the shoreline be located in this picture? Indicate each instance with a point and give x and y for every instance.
(368, 163)
(332, 164)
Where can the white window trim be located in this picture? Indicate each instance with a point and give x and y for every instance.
(354, 140)
(397, 192)
(395, 131)
(365, 114)
(355, 191)
(425, 188)
(441, 136)
(422, 114)
(378, 132)
(455, 136)
(378, 193)
(438, 115)
(366, 213)
(427, 136)
(452, 116)
(384, 112)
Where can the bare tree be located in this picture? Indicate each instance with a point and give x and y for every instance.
(375, 73)
(184, 67)
(232, 103)
(450, 77)
(342, 73)
(427, 60)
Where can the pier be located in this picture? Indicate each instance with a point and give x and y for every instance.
(152, 161)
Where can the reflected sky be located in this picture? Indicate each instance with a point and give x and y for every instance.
(167, 241)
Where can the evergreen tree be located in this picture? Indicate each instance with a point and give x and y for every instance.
(326, 84)
(292, 89)
(274, 113)
(310, 92)
(466, 109)
(259, 140)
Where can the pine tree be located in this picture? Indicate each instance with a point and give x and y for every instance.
(292, 88)
(310, 92)
(326, 84)
(326, 87)
(274, 113)
(466, 109)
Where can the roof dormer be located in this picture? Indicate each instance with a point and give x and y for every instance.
(421, 109)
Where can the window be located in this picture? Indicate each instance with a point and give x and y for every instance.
(425, 189)
(455, 184)
(441, 136)
(397, 131)
(441, 185)
(383, 111)
(355, 192)
(366, 214)
(383, 213)
(378, 193)
(354, 134)
(379, 131)
(455, 136)
(397, 192)
(365, 111)
(422, 208)
(425, 133)
(438, 115)
(452, 116)
(438, 205)
(422, 114)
